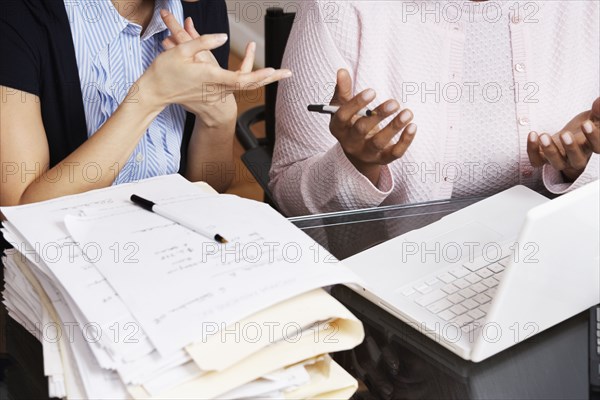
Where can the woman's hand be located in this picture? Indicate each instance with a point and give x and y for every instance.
(570, 149)
(209, 115)
(218, 105)
(367, 147)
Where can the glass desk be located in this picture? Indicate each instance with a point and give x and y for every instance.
(394, 361)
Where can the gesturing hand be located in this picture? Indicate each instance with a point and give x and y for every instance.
(185, 34)
(187, 73)
(367, 147)
(570, 149)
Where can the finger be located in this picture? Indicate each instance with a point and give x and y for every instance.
(190, 29)
(277, 76)
(204, 42)
(248, 62)
(205, 56)
(238, 81)
(533, 150)
(575, 154)
(595, 115)
(177, 32)
(383, 138)
(168, 43)
(365, 125)
(551, 152)
(405, 141)
(592, 135)
(343, 88)
(346, 112)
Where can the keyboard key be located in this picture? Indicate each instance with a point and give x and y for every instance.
(473, 278)
(476, 314)
(455, 298)
(492, 292)
(463, 320)
(469, 327)
(439, 306)
(470, 304)
(485, 273)
(475, 264)
(467, 293)
(504, 261)
(458, 309)
(408, 292)
(461, 283)
(430, 298)
(479, 287)
(459, 272)
(431, 281)
(450, 288)
(446, 315)
(446, 277)
(482, 298)
(490, 282)
(422, 288)
(496, 268)
(485, 307)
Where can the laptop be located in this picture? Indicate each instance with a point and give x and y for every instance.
(491, 275)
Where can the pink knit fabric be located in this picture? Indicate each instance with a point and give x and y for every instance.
(413, 52)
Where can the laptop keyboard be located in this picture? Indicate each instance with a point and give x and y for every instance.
(462, 294)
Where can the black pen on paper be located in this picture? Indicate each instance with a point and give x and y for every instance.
(152, 207)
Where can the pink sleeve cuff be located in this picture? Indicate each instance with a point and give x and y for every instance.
(355, 189)
(555, 183)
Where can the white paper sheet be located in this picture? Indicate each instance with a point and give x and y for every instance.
(81, 281)
(177, 281)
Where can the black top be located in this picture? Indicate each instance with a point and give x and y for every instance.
(38, 57)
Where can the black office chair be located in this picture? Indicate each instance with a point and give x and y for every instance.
(259, 151)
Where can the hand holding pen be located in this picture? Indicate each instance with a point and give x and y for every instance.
(367, 147)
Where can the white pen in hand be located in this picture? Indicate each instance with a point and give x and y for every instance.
(325, 109)
(152, 207)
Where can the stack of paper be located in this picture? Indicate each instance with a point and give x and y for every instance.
(128, 304)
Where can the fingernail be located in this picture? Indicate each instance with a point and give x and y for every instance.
(411, 129)
(405, 116)
(588, 127)
(221, 37)
(390, 107)
(164, 13)
(533, 136)
(191, 21)
(287, 74)
(566, 138)
(545, 139)
(368, 95)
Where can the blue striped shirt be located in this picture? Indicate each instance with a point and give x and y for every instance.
(111, 55)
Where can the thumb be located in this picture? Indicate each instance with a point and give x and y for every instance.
(343, 88)
(204, 42)
(595, 115)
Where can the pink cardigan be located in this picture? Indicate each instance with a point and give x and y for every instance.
(390, 46)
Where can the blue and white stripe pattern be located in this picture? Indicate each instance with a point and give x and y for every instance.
(111, 55)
